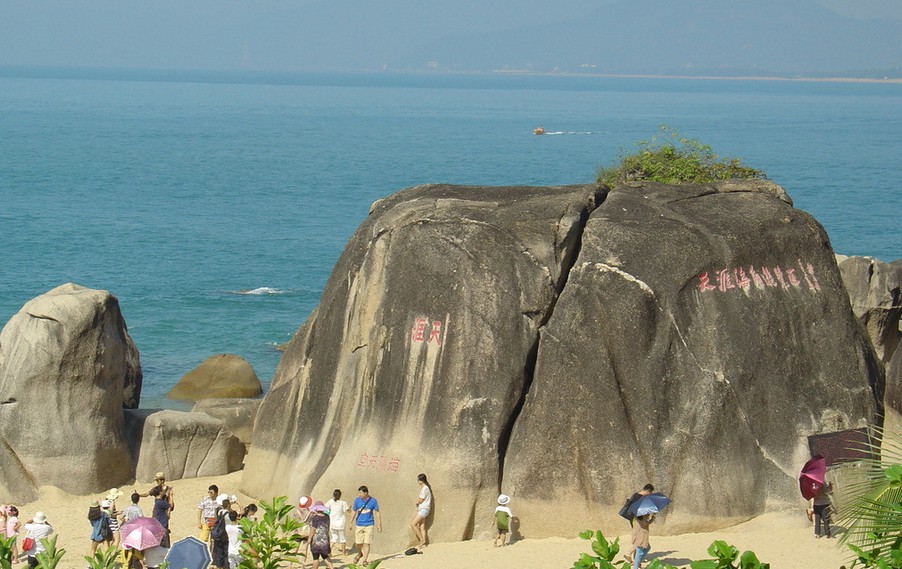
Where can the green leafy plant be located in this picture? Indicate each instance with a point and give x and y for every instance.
(672, 159)
(103, 558)
(871, 503)
(272, 541)
(6, 552)
(50, 557)
(724, 557)
(605, 551)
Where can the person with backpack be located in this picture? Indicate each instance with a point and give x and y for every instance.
(503, 517)
(219, 535)
(320, 540)
(100, 526)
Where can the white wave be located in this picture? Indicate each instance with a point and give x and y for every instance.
(261, 291)
(572, 132)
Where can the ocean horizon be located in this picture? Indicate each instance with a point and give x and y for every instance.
(215, 210)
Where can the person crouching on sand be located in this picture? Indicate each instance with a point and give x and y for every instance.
(640, 540)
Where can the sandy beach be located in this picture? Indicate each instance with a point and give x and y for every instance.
(783, 539)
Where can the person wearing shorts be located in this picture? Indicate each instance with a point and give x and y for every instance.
(423, 506)
(366, 518)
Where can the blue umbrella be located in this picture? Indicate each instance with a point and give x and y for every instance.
(651, 504)
(189, 553)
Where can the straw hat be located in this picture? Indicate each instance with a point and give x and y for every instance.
(114, 494)
(159, 476)
(95, 504)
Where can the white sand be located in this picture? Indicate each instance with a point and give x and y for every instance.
(783, 539)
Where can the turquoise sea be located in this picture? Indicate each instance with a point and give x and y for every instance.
(214, 206)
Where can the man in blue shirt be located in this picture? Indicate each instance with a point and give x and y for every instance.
(366, 516)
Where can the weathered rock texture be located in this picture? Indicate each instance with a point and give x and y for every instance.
(700, 336)
(414, 361)
(67, 368)
(220, 376)
(875, 291)
(183, 445)
(236, 414)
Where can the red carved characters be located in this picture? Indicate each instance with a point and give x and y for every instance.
(762, 278)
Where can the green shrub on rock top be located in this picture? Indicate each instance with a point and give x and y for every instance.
(672, 159)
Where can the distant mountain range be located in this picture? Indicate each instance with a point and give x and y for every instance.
(689, 37)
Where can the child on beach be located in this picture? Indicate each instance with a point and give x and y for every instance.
(640, 540)
(503, 517)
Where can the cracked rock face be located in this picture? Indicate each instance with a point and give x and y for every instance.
(415, 359)
(67, 369)
(532, 341)
(701, 336)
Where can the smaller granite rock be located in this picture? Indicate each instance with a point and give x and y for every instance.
(236, 414)
(223, 376)
(182, 444)
(875, 292)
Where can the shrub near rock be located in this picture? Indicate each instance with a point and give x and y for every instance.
(224, 376)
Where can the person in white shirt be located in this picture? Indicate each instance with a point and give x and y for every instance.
(424, 506)
(37, 528)
(234, 532)
(338, 510)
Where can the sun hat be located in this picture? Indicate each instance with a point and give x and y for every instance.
(40, 518)
(318, 506)
(106, 504)
(305, 501)
(504, 499)
(95, 504)
(159, 476)
(222, 498)
(114, 494)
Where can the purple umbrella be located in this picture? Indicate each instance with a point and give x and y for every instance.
(811, 479)
(142, 533)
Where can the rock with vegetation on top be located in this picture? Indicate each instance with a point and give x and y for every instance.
(67, 369)
(532, 341)
(225, 376)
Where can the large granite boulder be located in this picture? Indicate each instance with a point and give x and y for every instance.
(236, 414)
(221, 376)
(181, 444)
(703, 333)
(67, 369)
(875, 291)
(893, 398)
(414, 360)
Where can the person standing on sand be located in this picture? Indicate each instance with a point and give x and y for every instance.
(366, 517)
(162, 509)
(320, 543)
(12, 530)
(640, 540)
(820, 507)
(624, 511)
(100, 526)
(206, 513)
(423, 507)
(503, 517)
(37, 529)
(134, 510)
(338, 510)
(160, 488)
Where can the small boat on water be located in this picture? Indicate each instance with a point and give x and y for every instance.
(539, 130)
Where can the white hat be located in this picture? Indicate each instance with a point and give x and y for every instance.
(504, 499)
(40, 518)
(222, 498)
(305, 501)
(106, 504)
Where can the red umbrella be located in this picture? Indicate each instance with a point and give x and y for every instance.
(811, 479)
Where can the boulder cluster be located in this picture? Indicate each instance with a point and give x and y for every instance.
(561, 345)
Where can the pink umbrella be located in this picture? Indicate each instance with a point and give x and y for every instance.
(142, 533)
(811, 479)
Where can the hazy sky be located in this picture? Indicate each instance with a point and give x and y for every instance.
(270, 35)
